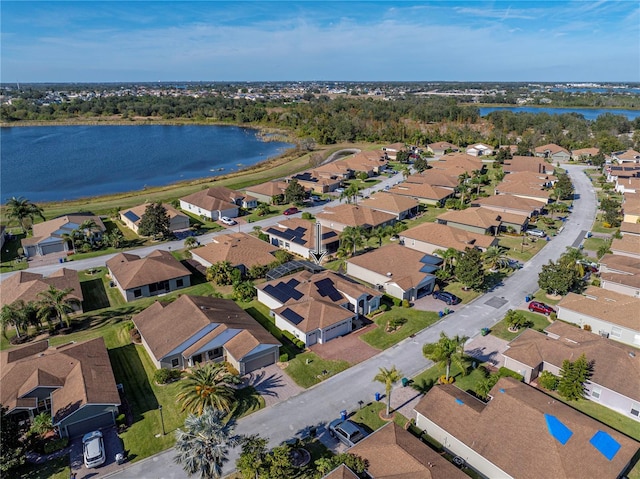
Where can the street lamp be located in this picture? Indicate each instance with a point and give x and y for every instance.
(161, 419)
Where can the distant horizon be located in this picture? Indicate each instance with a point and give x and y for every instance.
(617, 82)
(265, 41)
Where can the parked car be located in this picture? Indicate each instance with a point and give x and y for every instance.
(538, 307)
(93, 449)
(227, 221)
(291, 211)
(447, 297)
(339, 190)
(538, 233)
(315, 198)
(346, 431)
(513, 264)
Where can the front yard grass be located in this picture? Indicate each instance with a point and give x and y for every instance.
(369, 415)
(416, 321)
(501, 329)
(53, 469)
(306, 374)
(469, 382)
(521, 248)
(593, 244)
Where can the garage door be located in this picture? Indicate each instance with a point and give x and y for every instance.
(52, 248)
(259, 362)
(88, 425)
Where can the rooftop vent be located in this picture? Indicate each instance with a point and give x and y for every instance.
(389, 274)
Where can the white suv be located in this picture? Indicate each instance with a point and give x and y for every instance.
(538, 233)
(227, 221)
(93, 449)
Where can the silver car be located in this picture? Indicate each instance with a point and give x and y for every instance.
(227, 221)
(538, 233)
(93, 449)
(346, 431)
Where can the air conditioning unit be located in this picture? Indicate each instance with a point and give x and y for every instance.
(604, 334)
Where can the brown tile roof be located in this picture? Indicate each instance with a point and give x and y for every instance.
(141, 209)
(424, 191)
(532, 177)
(533, 348)
(166, 326)
(434, 177)
(585, 151)
(603, 304)
(527, 163)
(237, 249)
(442, 145)
(393, 453)
(448, 237)
(481, 217)
(216, 198)
(460, 161)
(341, 472)
(81, 372)
(523, 188)
(305, 233)
(629, 155)
(389, 202)
(26, 286)
(365, 161)
(396, 146)
(58, 226)
(316, 314)
(627, 244)
(403, 264)
(353, 215)
(270, 188)
(511, 432)
(508, 202)
(131, 271)
(550, 147)
(619, 269)
(629, 228)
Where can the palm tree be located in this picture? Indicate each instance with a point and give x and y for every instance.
(190, 242)
(57, 303)
(208, 386)
(406, 172)
(463, 187)
(379, 233)
(449, 258)
(495, 258)
(447, 351)
(352, 237)
(203, 446)
(388, 377)
(12, 315)
(21, 209)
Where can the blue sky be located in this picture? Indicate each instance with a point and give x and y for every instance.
(93, 41)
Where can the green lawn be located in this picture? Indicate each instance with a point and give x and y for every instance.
(466, 296)
(541, 295)
(416, 321)
(599, 228)
(369, 415)
(9, 255)
(426, 379)
(501, 329)
(521, 248)
(54, 469)
(592, 244)
(306, 374)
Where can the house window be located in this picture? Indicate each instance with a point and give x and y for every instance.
(137, 293)
(175, 362)
(179, 283)
(635, 409)
(596, 392)
(616, 332)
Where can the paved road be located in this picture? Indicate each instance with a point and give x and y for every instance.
(323, 402)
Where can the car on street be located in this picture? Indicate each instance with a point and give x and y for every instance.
(447, 297)
(538, 307)
(513, 264)
(315, 198)
(348, 432)
(93, 449)
(339, 190)
(227, 221)
(539, 233)
(291, 211)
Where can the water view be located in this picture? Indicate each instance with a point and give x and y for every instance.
(69, 162)
(588, 113)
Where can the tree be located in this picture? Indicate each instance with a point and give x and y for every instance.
(516, 320)
(403, 156)
(203, 445)
(447, 351)
(279, 462)
(21, 210)
(155, 221)
(114, 238)
(223, 273)
(573, 375)
(469, 270)
(11, 449)
(325, 465)
(282, 257)
(352, 238)
(388, 377)
(208, 386)
(42, 424)
(563, 188)
(294, 193)
(463, 186)
(253, 456)
(558, 278)
(263, 209)
(57, 303)
(351, 193)
(379, 233)
(420, 165)
(495, 258)
(449, 258)
(243, 291)
(13, 315)
(190, 242)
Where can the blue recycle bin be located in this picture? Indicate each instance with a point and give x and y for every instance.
(343, 414)
(377, 396)
(440, 314)
(527, 299)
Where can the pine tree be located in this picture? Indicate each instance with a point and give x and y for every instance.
(154, 221)
(573, 375)
(469, 270)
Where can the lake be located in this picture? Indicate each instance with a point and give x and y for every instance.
(53, 163)
(588, 113)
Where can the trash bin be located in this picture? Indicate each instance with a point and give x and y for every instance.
(61, 260)
(119, 458)
(527, 299)
(405, 381)
(440, 314)
(343, 414)
(377, 396)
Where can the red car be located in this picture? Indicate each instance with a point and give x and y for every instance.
(290, 211)
(538, 307)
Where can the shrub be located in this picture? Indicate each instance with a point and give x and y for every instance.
(128, 325)
(307, 216)
(587, 327)
(164, 376)
(135, 336)
(596, 282)
(231, 368)
(405, 303)
(397, 322)
(508, 373)
(300, 344)
(120, 420)
(443, 379)
(553, 316)
(383, 307)
(55, 445)
(548, 380)
(284, 357)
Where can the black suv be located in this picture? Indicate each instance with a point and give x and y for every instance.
(446, 297)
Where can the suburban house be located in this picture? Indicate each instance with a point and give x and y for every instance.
(73, 382)
(461, 162)
(627, 156)
(615, 173)
(628, 245)
(479, 149)
(26, 286)
(617, 388)
(401, 272)
(394, 453)
(341, 216)
(430, 237)
(620, 274)
(528, 163)
(433, 177)
(132, 216)
(440, 148)
(54, 236)
(400, 206)
(370, 162)
(424, 193)
(241, 250)
(393, 149)
(523, 433)
(265, 192)
(484, 221)
(524, 186)
(317, 308)
(218, 201)
(552, 152)
(632, 229)
(584, 154)
(628, 185)
(299, 237)
(607, 313)
(631, 208)
(198, 329)
(334, 170)
(510, 204)
(137, 277)
(317, 184)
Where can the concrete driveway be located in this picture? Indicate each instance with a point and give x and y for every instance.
(487, 349)
(273, 384)
(112, 444)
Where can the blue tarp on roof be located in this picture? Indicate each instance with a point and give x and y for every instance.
(605, 444)
(558, 430)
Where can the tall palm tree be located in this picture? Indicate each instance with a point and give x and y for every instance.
(379, 233)
(449, 258)
(495, 258)
(203, 446)
(388, 377)
(13, 315)
(21, 210)
(447, 351)
(352, 238)
(463, 186)
(206, 386)
(57, 303)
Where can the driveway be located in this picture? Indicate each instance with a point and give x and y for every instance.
(273, 384)
(112, 444)
(429, 303)
(487, 349)
(348, 348)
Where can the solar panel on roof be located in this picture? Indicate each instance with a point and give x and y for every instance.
(327, 288)
(292, 316)
(131, 216)
(557, 429)
(605, 444)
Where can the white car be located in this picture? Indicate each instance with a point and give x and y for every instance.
(227, 221)
(93, 449)
(538, 233)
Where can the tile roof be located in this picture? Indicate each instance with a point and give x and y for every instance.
(211, 199)
(523, 188)
(238, 249)
(481, 217)
(550, 147)
(389, 202)
(448, 237)
(313, 314)
(629, 228)
(341, 472)
(434, 177)
(354, 215)
(140, 210)
(533, 348)
(81, 372)
(502, 431)
(424, 191)
(509, 202)
(603, 304)
(458, 160)
(527, 163)
(270, 188)
(585, 151)
(26, 286)
(442, 145)
(619, 269)
(131, 271)
(627, 244)
(629, 155)
(393, 453)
